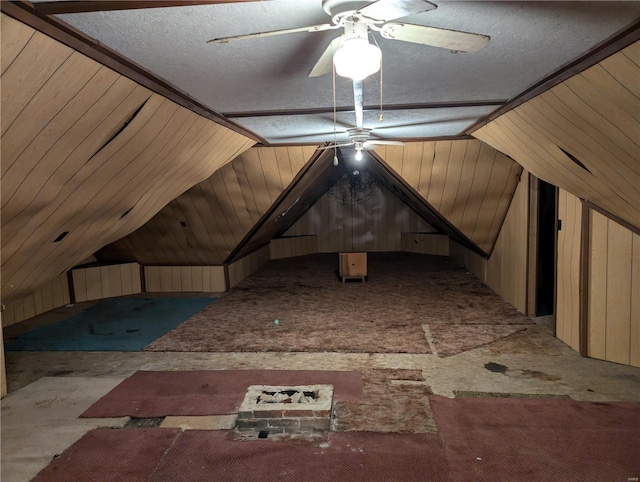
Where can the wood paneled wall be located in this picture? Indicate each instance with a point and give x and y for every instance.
(97, 282)
(469, 182)
(437, 244)
(203, 225)
(507, 266)
(505, 272)
(582, 135)
(614, 292)
(3, 371)
(208, 279)
(88, 152)
(359, 214)
(52, 294)
(291, 246)
(246, 266)
(568, 269)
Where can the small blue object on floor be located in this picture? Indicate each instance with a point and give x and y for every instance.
(117, 324)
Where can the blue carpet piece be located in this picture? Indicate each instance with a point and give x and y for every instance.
(117, 324)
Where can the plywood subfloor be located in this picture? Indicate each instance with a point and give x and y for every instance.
(299, 305)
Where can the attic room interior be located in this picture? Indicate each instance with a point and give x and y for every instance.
(411, 229)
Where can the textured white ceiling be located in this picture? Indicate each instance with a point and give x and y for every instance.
(529, 41)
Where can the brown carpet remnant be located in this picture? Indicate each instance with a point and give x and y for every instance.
(393, 401)
(318, 313)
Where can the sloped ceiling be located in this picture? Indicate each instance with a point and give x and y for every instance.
(206, 223)
(582, 135)
(89, 153)
(468, 182)
(462, 188)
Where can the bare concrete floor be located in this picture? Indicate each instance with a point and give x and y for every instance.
(48, 390)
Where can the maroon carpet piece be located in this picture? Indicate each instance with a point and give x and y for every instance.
(534, 439)
(217, 392)
(200, 455)
(103, 455)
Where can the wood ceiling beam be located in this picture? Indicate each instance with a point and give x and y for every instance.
(456, 137)
(374, 107)
(83, 6)
(24, 12)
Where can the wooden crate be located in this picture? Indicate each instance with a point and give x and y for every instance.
(353, 265)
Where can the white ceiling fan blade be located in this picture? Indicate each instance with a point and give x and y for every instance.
(385, 10)
(333, 146)
(382, 142)
(324, 65)
(313, 28)
(435, 37)
(370, 145)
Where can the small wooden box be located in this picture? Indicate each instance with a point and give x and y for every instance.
(353, 265)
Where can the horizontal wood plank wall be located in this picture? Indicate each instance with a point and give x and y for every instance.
(352, 219)
(582, 135)
(469, 182)
(614, 287)
(244, 267)
(568, 270)
(203, 225)
(291, 246)
(437, 244)
(88, 152)
(505, 272)
(207, 279)
(52, 294)
(97, 282)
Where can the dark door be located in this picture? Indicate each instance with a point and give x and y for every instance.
(547, 220)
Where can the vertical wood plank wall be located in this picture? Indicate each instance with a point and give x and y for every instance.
(568, 269)
(507, 266)
(50, 295)
(614, 292)
(160, 279)
(467, 181)
(437, 244)
(246, 266)
(97, 282)
(505, 271)
(374, 221)
(3, 372)
(293, 246)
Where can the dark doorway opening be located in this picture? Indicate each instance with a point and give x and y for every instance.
(547, 221)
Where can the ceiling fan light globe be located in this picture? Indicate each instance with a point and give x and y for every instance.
(357, 59)
(358, 155)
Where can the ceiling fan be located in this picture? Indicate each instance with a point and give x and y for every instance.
(357, 18)
(360, 139)
(358, 135)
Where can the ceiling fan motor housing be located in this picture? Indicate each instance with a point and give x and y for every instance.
(340, 8)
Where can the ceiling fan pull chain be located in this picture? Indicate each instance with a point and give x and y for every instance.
(381, 118)
(335, 134)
